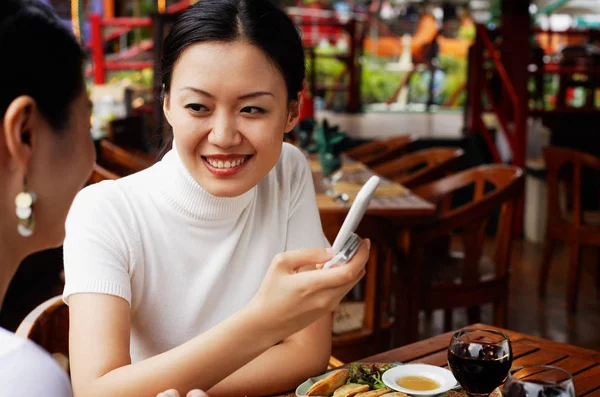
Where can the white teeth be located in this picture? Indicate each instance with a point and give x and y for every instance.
(226, 164)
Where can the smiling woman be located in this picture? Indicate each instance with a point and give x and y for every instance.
(186, 274)
(235, 112)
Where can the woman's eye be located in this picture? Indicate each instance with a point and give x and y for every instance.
(196, 107)
(253, 110)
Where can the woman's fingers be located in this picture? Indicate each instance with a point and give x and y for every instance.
(169, 393)
(175, 393)
(196, 393)
(295, 260)
(340, 276)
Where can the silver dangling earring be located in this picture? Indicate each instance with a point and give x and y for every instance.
(24, 209)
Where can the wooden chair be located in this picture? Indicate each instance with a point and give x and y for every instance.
(379, 151)
(363, 322)
(421, 167)
(121, 161)
(48, 326)
(466, 279)
(130, 132)
(567, 220)
(101, 174)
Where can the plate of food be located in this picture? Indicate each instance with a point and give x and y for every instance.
(357, 380)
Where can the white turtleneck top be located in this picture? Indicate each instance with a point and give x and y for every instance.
(185, 260)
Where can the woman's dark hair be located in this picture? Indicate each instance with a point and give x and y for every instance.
(40, 58)
(257, 22)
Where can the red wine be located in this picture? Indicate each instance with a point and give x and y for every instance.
(479, 376)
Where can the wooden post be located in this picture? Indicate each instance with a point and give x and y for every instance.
(353, 103)
(516, 54)
(109, 8)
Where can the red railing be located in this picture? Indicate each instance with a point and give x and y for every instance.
(327, 23)
(124, 25)
(511, 109)
(514, 108)
(483, 46)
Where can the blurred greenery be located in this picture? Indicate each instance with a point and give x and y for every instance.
(467, 32)
(456, 75)
(142, 77)
(495, 13)
(328, 70)
(377, 83)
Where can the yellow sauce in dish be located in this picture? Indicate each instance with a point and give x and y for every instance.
(419, 383)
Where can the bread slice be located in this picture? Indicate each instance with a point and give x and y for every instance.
(373, 393)
(350, 390)
(326, 386)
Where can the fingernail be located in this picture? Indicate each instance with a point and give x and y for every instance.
(196, 393)
(330, 250)
(368, 244)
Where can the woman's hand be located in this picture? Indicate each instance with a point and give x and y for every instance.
(175, 393)
(289, 300)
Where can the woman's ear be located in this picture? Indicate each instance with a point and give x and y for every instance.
(18, 127)
(293, 115)
(166, 104)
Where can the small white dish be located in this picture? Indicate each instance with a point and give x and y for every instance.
(440, 375)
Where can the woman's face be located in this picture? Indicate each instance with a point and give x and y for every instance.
(228, 106)
(61, 163)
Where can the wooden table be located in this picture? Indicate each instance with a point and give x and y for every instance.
(391, 199)
(582, 363)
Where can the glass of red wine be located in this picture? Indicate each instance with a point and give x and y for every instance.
(479, 360)
(538, 381)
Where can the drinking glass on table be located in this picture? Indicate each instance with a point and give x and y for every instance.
(479, 360)
(538, 381)
(331, 165)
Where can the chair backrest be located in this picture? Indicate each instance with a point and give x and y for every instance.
(48, 326)
(366, 149)
(377, 151)
(495, 187)
(420, 167)
(396, 146)
(567, 166)
(121, 161)
(130, 132)
(100, 174)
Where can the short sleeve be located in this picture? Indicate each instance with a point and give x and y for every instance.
(97, 248)
(304, 222)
